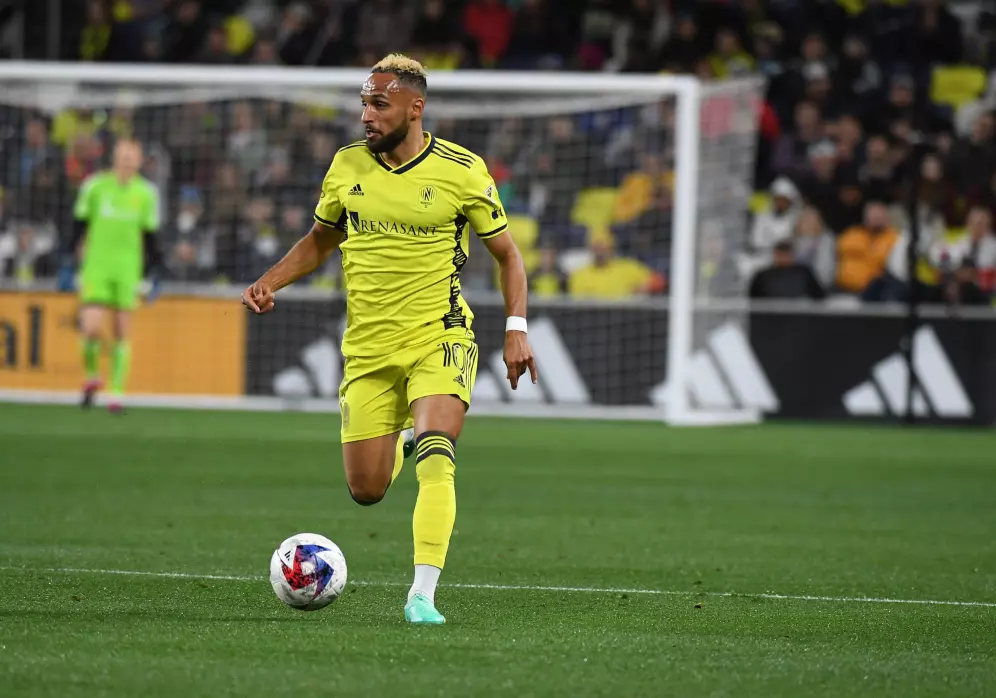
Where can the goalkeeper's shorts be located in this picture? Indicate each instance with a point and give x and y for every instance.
(116, 291)
(377, 392)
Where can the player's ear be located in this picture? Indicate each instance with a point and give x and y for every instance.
(418, 106)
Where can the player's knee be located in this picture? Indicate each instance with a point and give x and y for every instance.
(366, 498)
(366, 491)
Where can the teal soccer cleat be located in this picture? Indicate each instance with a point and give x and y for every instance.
(420, 611)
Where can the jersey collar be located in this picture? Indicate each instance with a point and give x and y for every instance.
(401, 169)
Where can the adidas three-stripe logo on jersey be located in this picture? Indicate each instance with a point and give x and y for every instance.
(356, 191)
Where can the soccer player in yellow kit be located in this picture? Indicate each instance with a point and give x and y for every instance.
(398, 206)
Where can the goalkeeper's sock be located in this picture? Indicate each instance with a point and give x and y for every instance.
(435, 508)
(120, 366)
(91, 358)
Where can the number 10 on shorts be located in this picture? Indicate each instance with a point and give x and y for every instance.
(463, 359)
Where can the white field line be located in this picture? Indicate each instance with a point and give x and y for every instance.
(528, 587)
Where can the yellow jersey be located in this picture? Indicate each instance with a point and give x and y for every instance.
(406, 240)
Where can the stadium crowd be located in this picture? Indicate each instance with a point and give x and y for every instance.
(860, 93)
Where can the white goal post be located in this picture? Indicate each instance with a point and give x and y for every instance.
(712, 143)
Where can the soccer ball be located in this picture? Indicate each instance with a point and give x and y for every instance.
(308, 572)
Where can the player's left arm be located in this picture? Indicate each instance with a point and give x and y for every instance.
(484, 210)
(150, 224)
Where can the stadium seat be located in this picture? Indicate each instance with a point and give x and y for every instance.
(593, 207)
(955, 85)
(525, 231)
(239, 35)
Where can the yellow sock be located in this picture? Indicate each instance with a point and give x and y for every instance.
(435, 508)
(399, 458)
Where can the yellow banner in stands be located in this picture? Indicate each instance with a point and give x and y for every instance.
(180, 346)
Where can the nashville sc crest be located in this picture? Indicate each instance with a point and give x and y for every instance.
(427, 196)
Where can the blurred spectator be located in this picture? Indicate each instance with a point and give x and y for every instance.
(215, 49)
(193, 139)
(768, 38)
(190, 255)
(36, 151)
(863, 250)
(612, 277)
(264, 51)
(185, 32)
(489, 23)
(227, 205)
(981, 47)
(936, 35)
(647, 236)
(858, 77)
(436, 39)
(559, 171)
(686, 46)
(817, 86)
(599, 31)
(95, 37)
(900, 105)
(83, 158)
(27, 251)
(792, 150)
(296, 35)
(538, 38)
(777, 223)
(848, 136)
(246, 141)
(848, 208)
(986, 196)
(970, 111)
(785, 278)
(972, 158)
(258, 247)
(548, 279)
(879, 176)
(963, 286)
(819, 186)
(936, 202)
(639, 36)
(729, 59)
(815, 246)
(975, 248)
(637, 189)
(383, 26)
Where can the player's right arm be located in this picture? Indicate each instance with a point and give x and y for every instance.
(83, 210)
(308, 254)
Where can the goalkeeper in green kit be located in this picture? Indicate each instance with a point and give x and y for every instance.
(116, 216)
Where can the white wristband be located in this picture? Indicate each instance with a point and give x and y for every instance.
(515, 324)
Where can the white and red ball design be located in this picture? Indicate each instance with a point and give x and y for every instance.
(308, 572)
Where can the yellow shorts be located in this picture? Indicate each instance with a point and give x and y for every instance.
(377, 392)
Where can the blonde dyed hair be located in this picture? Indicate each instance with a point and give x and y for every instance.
(400, 63)
(409, 71)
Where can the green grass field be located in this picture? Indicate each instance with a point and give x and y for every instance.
(134, 552)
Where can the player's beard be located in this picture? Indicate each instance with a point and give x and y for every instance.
(389, 141)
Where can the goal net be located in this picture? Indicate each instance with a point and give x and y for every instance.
(627, 195)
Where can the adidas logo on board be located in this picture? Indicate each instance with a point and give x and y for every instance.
(939, 391)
